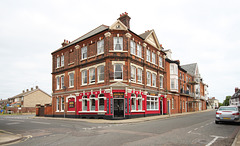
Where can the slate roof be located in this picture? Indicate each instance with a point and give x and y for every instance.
(87, 35)
(26, 93)
(190, 68)
(236, 94)
(145, 34)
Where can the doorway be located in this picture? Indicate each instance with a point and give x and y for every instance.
(119, 108)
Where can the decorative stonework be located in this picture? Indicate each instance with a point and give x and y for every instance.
(128, 35)
(77, 47)
(107, 34)
(144, 45)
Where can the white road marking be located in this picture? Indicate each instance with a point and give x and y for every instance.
(40, 122)
(14, 123)
(196, 129)
(189, 131)
(202, 126)
(196, 133)
(216, 137)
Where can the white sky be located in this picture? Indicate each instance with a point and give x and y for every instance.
(204, 32)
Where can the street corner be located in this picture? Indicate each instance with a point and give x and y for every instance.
(8, 137)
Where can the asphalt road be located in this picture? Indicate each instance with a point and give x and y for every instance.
(195, 129)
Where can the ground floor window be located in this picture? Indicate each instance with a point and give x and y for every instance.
(92, 102)
(133, 97)
(101, 102)
(139, 102)
(152, 103)
(84, 103)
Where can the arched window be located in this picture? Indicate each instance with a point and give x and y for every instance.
(139, 102)
(92, 102)
(101, 102)
(84, 103)
(133, 97)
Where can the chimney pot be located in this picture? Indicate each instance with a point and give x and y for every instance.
(31, 89)
(23, 91)
(27, 90)
(125, 19)
(36, 87)
(236, 89)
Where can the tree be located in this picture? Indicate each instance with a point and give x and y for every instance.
(226, 101)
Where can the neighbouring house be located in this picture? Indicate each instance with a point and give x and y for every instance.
(213, 103)
(235, 99)
(4, 103)
(27, 100)
(112, 72)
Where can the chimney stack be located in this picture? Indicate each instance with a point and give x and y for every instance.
(36, 87)
(236, 89)
(65, 42)
(31, 89)
(23, 91)
(125, 19)
(27, 90)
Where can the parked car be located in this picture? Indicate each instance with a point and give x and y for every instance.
(227, 114)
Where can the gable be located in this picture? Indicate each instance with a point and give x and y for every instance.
(118, 25)
(152, 39)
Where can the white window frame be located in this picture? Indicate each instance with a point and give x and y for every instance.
(84, 75)
(154, 100)
(154, 80)
(99, 98)
(133, 102)
(99, 73)
(139, 50)
(84, 52)
(148, 78)
(160, 61)
(92, 74)
(139, 75)
(118, 71)
(171, 69)
(92, 100)
(100, 47)
(57, 105)
(140, 102)
(58, 62)
(153, 58)
(118, 40)
(148, 55)
(172, 103)
(133, 74)
(62, 60)
(71, 79)
(133, 47)
(161, 81)
(58, 83)
(84, 100)
(62, 104)
(62, 81)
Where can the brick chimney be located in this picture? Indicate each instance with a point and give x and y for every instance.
(236, 89)
(125, 19)
(23, 91)
(36, 87)
(65, 42)
(31, 89)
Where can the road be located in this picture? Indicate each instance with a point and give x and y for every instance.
(194, 129)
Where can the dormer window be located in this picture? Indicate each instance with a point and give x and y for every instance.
(118, 43)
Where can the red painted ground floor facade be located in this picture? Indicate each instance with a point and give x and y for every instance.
(122, 104)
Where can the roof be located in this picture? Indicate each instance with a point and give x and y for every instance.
(236, 94)
(26, 93)
(190, 68)
(145, 34)
(87, 35)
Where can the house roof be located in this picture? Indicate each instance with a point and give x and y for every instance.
(190, 68)
(87, 35)
(26, 93)
(236, 94)
(145, 34)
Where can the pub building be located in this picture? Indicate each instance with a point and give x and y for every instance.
(110, 73)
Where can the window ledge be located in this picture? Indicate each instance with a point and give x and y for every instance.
(113, 51)
(84, 85)
(100, 54)
(71, 63)
(71, 111)
(57, 111)
(100, 82)
(137, 56)
(91, 83)
(70, 87)
(152, 86)
(91, 57)
(92, 112)
(83, 59)
(135, 111)
(152, 109)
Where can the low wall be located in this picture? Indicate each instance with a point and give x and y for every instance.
(21, 109)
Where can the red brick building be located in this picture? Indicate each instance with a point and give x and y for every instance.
(111, 72)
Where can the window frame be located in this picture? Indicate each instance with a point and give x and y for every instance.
(148, 78)
(62, 82)
(139, 75)
(71, 79)
(148, 54)
(58, 83)
(62, 60)
(62, 104)
(154, 78)
(84, 77)
(57, 105)
(160, 61)
(84, 102)
(92, 100)
(133, 47)
(155, 101)
(99, 73)
(100, 47)
(58, 61)
(115, 43)
(133, 102)
(153, 58)
(133, 74)
(99, 98)
(92, 74)
(84, 52)
(139, 50)
(161, 81)
(118, 71)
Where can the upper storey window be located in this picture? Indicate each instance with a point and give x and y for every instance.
(118, 44)
(148, 55)
(133, 47)
(139, 50)
(58, 62)
(62, 60)
(100, 47)
(84, 52)
(118, 71)
(153, 58)
(160, 61)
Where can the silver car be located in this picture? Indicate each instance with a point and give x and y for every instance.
(227, 114)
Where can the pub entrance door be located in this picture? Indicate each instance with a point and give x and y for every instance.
(118, 108)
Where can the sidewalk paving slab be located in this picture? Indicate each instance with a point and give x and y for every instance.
(8, 137)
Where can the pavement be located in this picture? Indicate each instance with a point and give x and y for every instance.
(8, 137)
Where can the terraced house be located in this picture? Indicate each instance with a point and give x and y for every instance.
(110, 72)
